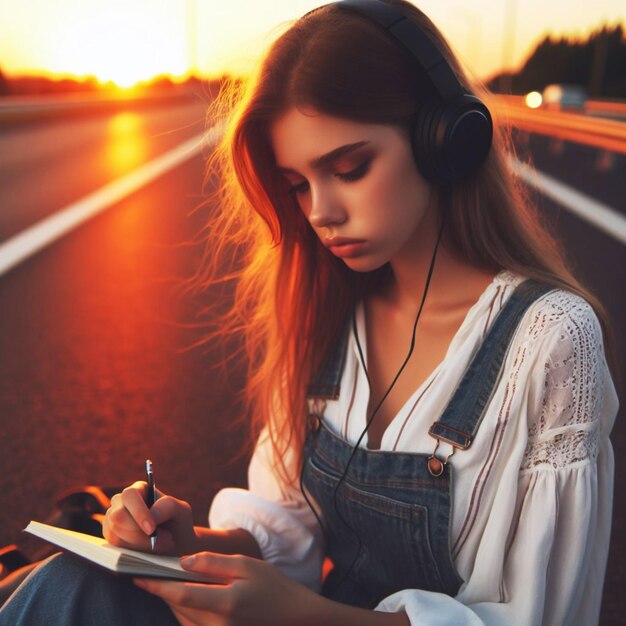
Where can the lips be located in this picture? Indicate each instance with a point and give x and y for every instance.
(344, 247)
(341, 241)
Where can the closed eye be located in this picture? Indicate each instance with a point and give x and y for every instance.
(357, 173)
(353, 175)
(298, 189)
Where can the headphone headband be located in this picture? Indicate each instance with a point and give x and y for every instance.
(452, 137)
(412, 39)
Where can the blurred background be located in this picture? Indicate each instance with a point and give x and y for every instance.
(103, 138)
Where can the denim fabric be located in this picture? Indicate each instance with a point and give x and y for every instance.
(389, 500)
(65, 591)
(460, 420)
(400, 512)
(327, 383)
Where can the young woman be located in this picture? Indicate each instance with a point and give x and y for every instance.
(430, 396)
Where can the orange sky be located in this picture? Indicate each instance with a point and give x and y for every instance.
(130, 40)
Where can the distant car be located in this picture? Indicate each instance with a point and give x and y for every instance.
(564, 97)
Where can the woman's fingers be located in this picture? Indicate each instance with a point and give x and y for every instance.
(196, 617)
(121, 530)
(255, 592)
(212, 598)
(125, 520)
(129, 522)
(134, 501)
(222, 566)
(169, 509)
(215, 598)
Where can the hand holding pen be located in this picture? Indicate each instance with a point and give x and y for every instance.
(135, 513)
(151, 497)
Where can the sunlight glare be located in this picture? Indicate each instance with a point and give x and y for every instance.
(127, 143)
(119, 48)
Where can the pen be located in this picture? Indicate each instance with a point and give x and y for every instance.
(151, 496)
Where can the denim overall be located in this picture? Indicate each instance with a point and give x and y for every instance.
(399, 504)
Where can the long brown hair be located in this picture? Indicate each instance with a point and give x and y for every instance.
(291, 296)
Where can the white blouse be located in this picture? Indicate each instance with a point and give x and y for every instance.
(532, 496)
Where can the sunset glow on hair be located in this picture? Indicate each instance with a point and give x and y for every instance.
(291, 295)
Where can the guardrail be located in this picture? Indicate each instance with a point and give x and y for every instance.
(614, 107)
(604, 134)
(25, 108)
(601, 133)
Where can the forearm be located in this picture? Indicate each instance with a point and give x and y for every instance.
(332, 613)
(236, 541)
(320, 610)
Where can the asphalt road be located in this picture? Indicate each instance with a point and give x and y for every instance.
(94, 374)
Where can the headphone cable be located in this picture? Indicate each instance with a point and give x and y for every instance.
(371, 419)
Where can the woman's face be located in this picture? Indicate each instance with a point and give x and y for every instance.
(353, 181)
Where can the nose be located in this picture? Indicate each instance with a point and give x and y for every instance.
(326, 208)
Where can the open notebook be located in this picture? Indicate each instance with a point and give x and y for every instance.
(114, 558)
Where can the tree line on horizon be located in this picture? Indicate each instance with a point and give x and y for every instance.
(597, 63)
(37, 85)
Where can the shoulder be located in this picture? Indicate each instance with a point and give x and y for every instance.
(570, 369)
(558, 323)
(564, 336)
(570, 403)
(558, 351)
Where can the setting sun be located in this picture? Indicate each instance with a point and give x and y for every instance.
(121, 53)
(120, 42)
(126, 41)
(121, 50)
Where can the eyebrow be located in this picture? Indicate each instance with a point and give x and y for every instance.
(321, 161)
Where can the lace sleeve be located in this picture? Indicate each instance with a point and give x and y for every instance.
(567, 428)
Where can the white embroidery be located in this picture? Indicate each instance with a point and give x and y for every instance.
(565, 432)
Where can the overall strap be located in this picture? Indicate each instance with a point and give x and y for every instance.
(328, 380)
(462, 416)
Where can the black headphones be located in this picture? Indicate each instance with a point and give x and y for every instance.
(451, 138)
(452, 133)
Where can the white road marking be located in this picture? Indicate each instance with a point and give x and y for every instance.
(587, 208)
(23, 245)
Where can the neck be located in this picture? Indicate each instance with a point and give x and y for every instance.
(453, 280)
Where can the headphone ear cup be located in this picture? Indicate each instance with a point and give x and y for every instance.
(422, 140)
(451, 142)
(461, 136)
